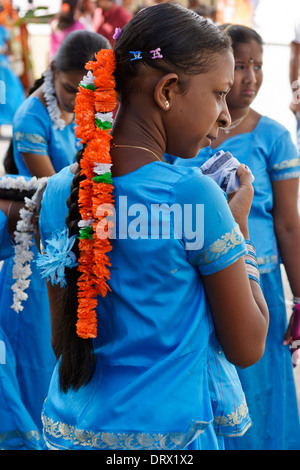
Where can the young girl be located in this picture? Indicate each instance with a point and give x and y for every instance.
(156, 375)
(44, 142)
(267, 148)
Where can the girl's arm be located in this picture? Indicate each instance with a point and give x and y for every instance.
(238, 307)
(287, 229)
(11, 209)
(294, 75)
(38, 165)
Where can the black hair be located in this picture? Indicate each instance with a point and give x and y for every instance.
(240, 34)
(77, 362)
(66, 19)
(188, 42)
(75, 51)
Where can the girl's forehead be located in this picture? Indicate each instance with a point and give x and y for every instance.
(249, 50)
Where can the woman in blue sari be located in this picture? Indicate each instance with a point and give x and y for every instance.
(17, 429)
(43, 143)
(157, 375)
(267, 148)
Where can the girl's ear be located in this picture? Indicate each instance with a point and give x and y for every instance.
(164, 91)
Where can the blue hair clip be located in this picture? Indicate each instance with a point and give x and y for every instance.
(136, 55)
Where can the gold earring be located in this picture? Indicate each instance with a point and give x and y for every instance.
(167, 104)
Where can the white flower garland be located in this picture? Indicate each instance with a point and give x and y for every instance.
(51, 101)
(18, 183)
(23, 240)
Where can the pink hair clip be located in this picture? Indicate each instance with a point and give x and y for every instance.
(156, 54)
(118, 31)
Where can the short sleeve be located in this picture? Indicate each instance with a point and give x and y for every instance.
(218, 242)
(31, 134)
(54, 207)
(284, 161)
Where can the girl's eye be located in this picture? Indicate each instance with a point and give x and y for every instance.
(70, 89)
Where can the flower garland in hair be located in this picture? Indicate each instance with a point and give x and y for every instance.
(95, 101)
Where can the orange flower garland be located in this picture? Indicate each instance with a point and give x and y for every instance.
(96, 95)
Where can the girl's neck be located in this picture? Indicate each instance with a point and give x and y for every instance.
(65, 116)
(238, 113)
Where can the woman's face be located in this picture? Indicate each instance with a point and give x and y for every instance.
(198, 113)
(248, 75)
(66, 87)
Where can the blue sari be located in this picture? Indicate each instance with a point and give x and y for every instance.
(160, 372)
(28, 332)
(269, 385)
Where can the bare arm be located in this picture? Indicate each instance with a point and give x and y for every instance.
(237, 304)
(287, 229)
(294, 62)
(294, 76)
(38, 165)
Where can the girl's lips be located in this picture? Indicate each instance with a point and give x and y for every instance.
(248, 92)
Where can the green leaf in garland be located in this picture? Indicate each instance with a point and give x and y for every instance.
(106, 178)
(86, 233)
(89, 87)
(104, 125)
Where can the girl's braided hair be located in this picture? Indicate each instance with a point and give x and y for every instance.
(77, 356)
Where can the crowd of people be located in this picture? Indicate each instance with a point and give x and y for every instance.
(146, 211)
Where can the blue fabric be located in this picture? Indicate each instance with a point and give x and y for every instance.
(29, 331)
(160, 372)
(269, 385)
(11, 89)
(271, 155)
(17, 429)
(29, 336)
(6, 247)
(35, 134)
(6, 242)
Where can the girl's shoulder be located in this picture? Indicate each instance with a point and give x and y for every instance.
(190, 185)
(270, 128)
(33, 105)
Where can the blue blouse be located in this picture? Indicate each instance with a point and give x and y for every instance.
(6, 246)
(33, 133)
(271, 155)
(161, 375)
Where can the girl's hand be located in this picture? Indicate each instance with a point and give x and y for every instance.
(240, 201)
